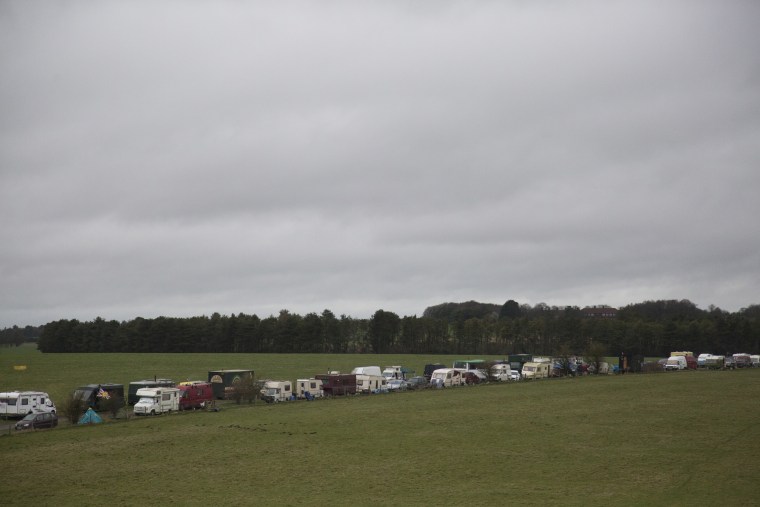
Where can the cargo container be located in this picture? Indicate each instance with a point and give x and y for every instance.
(222, 381)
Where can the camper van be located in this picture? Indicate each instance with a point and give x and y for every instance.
(21, 403)
(139, 384)
(275, 391)
(156, 400)
(195, 394)
(533, 370)
(446, 377)
(501, 372)
(675, 363)
(307, 388)
(371, 384)
(743, 360)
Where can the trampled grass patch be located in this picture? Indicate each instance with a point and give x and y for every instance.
(659, 439)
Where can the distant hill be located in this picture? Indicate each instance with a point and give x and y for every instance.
(454, 312)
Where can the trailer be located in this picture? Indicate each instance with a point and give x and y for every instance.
(430, 368)
(157, 400)
(223, 381)
(195, 394)
(446, 377)
(309, 388)
(535, 370)
(371, 384)
(337, 384)
(22, 403)
(140, 384)
(93, 395)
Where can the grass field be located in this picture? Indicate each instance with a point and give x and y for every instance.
(660, 439)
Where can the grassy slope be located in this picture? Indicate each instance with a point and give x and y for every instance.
(663, 439)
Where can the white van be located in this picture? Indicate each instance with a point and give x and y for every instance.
(446, 377)
(675, 363)
(275, 391)
(157, 400)
(21, 403)
(501, 372)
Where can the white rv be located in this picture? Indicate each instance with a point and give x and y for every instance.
(157, 400)
(275, 391)
(371, 384)
(310, 386)
(501, 372)
(21, 403)
(446, 377)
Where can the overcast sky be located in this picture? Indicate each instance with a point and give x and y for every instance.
(190, 157)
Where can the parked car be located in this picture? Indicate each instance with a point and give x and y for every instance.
(514, 375)
(397, 385)
(38, 420)
(470, 377)
(417, 383)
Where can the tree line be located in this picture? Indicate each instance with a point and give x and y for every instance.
(651, 328)
(15, 336)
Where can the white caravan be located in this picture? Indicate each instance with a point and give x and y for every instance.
(446, 377)
(535, 370)
(21, 403)
(310, 386)
(157, 400)
(371, 384)
(394, 372)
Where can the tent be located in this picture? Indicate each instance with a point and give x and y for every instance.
(90, 417)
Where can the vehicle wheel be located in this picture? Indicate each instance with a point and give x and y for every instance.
(152, 412)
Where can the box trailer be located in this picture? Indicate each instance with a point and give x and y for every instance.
(93, 395)
(157, 400)
(140, 384)
(223, 381)
(308, 388)
(22, 403)
(195, 394)
(337, 384)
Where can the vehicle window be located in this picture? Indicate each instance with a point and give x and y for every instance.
(313, 385)
(24, 401)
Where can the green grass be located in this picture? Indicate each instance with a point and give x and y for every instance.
(661, 439)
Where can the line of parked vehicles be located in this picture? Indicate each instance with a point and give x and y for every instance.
(160, 396)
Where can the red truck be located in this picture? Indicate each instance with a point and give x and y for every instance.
(195, 394)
